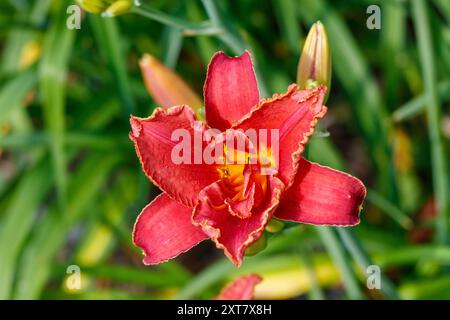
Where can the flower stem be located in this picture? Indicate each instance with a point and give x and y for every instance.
(233, 41)
(188, 28)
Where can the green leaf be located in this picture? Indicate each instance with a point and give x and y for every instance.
(50, 232)
(53, 67)
(389, 209)
(337, 254)
(109, 40)
(418, 104)
(14, 92)
(439, 160)
(17, 221)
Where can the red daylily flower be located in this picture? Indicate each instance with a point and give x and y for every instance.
(243, 288)
(232, 204)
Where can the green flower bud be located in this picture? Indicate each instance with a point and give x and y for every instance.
(274, 226)
(314, 67)
(108, 8)
(118, 8)
(257, 246)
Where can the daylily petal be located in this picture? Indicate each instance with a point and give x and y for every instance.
(231, 233)
(243, 288)
(152, 139)
(164, 229)
(230, 89)
(242, 208)
(165, 86)
(322, 196)
(220, 198)
(295, 115)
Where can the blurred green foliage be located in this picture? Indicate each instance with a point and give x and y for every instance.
(71, 186)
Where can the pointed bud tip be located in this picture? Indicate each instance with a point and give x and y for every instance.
(147, 60)
(315, 62)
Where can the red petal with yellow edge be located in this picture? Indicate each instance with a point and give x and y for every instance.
(243, 288)
(230, 89)
(232, 233)
(152, 139)
(322, 196)
(164, 229)
(295, 115)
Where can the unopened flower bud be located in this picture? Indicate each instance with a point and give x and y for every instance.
(165, 86)
(314, 67)
(118, 8)
(257, 246)
(107, 8)
(274, 226)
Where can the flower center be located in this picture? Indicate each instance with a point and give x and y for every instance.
(240, 174)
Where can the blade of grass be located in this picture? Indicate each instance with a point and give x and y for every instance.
(390, 209)
(187, 27)
(329, 155)
(13, 48)
(439, 160)
(176, 270)
(99, 294)
(231, 39)
(363, 260)
(18, 219)
(13, 92)
(153, 278)
(109, 39)
(222, 270)
(99, 240)
(424, 289)
(51, 230)
(172, 46)
(444, 7)
(39, 139)
(337, 253)
(393, 35)
(20, 121)
(418, 104)
(316, 292)
(212, 274)
(286, 14)
(39, 12)
(58, 44)
(205, 44)
(409, 255)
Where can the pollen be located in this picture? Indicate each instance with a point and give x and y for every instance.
(238, 173)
